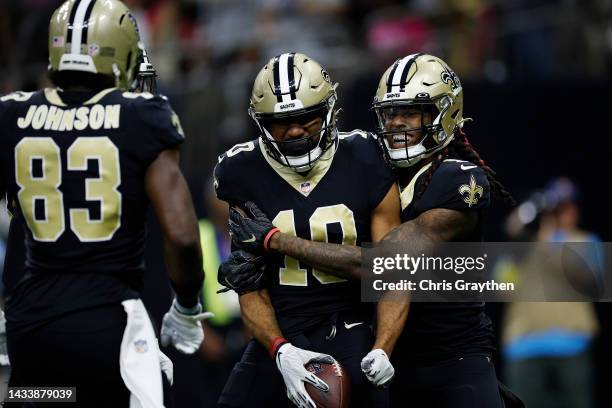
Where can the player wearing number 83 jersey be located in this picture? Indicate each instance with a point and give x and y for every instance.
(79, 164)
(75, 164)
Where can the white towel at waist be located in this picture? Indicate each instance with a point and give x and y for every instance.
(140, 359)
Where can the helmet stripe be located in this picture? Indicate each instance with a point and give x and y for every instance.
(86, 21)
(77, 26)
(71, 21)
(284, 76)
(291, 75)
(403, 80)
(390, 77)
(277, 90)
(401, 73)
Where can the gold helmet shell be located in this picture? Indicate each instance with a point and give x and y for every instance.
(95, 36)
(291, 85)
(421, 80)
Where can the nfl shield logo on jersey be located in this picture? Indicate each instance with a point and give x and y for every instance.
(141, 346)
(305, 187)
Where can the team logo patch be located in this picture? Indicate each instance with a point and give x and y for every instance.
(141, 346)
(473, 192)
(305, 187)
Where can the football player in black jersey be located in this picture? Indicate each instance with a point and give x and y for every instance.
(443, 358)
(317, 183)
(80, 164)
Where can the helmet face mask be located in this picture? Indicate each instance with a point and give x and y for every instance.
(294, 90)
(145, 78)
(421, 86)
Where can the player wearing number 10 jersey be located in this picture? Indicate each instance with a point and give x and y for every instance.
(79, 164)
(316, 183)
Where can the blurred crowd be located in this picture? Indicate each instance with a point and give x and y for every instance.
(208, 51)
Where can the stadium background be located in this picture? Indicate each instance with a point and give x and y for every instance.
(536, 77)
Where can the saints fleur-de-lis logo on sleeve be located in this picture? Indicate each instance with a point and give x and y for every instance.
(471, 192)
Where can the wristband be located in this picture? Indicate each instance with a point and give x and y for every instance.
(188, 310)
(275, 345)
(268, 236)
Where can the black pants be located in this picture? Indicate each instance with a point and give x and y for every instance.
(468, 382)
(81, 350)
(256, 382)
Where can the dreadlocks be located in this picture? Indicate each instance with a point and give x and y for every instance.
(463, 149)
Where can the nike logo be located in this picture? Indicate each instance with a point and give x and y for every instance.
(350, 326)
(278, 360)
(252, 239)
(464, 167)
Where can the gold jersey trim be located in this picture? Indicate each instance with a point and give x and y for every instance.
(96, 98)
(53, 97)
(407, 195)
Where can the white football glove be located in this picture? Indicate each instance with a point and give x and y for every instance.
(184, 331)
(377, 368)
(290, 361)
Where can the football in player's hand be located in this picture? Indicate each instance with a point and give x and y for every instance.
(336, 378)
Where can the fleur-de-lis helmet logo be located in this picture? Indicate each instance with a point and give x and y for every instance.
(449, 77)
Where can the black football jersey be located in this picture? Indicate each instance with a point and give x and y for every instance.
(438, 331)
(74, 166)
(332, 203)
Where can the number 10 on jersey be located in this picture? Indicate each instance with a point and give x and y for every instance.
(291, 274)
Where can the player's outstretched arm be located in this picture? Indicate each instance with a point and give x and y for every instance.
(171, 200)
(254, 232)
(417, 236)
(431, 227)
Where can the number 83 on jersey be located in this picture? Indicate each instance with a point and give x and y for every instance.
(38, 170)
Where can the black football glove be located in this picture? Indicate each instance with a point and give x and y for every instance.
(242, 272)
(250, 232)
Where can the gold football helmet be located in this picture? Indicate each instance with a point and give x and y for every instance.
(289, 87)
(426, 83)
(98, 37)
